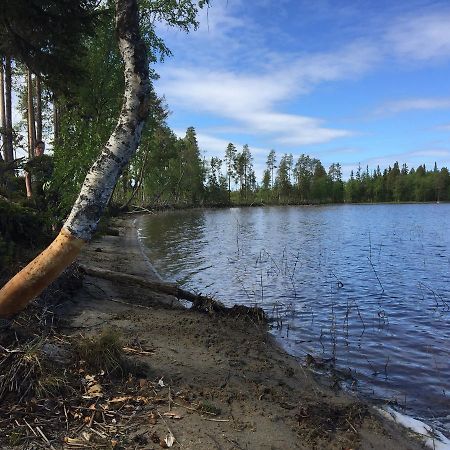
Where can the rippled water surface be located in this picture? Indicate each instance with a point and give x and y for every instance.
(365, 285)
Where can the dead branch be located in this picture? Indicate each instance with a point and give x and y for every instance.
(199, 302)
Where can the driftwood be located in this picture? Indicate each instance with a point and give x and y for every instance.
(199, 302)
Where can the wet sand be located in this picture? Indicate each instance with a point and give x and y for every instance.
(252, 394)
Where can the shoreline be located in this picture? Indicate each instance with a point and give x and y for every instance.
(420, 425)
(217, 381)
(296, 379)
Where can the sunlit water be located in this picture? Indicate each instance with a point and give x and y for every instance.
(365, 285)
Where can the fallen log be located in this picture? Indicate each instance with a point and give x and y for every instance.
(199, 302)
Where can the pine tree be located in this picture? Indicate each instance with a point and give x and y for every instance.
(230, 161)
(271, 160)
(46, 36)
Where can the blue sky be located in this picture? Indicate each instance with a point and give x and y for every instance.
(343, 81)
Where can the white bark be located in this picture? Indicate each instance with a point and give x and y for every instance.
(100, 181)
(30, 115)
(2, 109)
(121, 146)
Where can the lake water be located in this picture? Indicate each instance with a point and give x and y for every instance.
(366, 286)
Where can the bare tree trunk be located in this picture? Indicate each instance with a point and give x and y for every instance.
(30, 115)
(101, 178)
(2, 109)
(56, 125)
(138, 182)
(38, 108)
(9, 155)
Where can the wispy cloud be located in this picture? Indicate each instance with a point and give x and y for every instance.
(413, 104)
(231, 71)
(421, 37)
(248, 101)
(443, 127)
(252, 100)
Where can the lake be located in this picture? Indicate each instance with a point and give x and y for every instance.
(362, 288)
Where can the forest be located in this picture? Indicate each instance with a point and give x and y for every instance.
(70, 96)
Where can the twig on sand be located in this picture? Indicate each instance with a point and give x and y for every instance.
(168, 429)
(215, 420)
(353, 428)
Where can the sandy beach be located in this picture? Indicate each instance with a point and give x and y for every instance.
(200, 381)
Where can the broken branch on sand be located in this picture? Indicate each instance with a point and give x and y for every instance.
(199, 302)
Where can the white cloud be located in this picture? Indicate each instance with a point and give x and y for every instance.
(413, 104)
(231, 71)
(295, 130)
(421, 38)
(443, 127)
(251, 100)
(346, 63)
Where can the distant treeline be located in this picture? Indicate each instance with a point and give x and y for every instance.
(306, 181)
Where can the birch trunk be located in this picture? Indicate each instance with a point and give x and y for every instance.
(8, 110)
(38, 108)
(30, 116)
(101, 178)
(2, 108)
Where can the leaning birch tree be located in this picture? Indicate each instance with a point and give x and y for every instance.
(101, 178)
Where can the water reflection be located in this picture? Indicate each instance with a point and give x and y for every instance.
(367, 286)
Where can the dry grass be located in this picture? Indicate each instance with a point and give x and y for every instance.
(103, 352)
(20, 369)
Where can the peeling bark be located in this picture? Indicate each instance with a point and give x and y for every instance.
(101, 178)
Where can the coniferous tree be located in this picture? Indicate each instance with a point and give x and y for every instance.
(335, 176)
(192, 168)
(271, 161)
(319, 185)
(47, 36)
(303, 173)
(247, 163)
(230, 161)
(282, 181)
